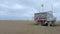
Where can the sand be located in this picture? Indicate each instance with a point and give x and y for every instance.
(26, 27)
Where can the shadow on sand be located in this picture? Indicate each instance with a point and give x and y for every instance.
(56, 25)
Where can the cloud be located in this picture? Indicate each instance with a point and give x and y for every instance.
(4, 5)
(17, 6)
(3, 13)
(56, 5)
(28, 13)
(25, 9)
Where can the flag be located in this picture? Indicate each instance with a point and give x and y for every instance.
(42, 5)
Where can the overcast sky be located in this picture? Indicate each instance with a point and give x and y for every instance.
(25, 9)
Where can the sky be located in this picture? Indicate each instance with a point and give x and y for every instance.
(25, 9)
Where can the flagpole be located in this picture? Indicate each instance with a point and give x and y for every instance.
(42, 5)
